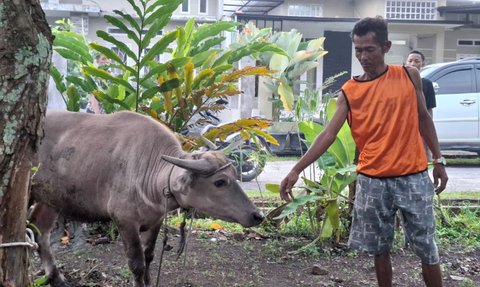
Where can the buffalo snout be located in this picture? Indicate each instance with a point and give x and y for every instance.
(256, 218)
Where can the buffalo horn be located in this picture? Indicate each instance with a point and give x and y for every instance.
(209, 143)
(201, 166)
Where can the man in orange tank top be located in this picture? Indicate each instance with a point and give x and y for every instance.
(386, 111)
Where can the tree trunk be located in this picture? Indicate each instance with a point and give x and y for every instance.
(25, 55)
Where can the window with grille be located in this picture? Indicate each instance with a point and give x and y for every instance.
(411, 10)
(468, 42)
(313, 10)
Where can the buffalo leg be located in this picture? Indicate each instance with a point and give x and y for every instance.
(133, 248)
(44, 218)
(149, 238)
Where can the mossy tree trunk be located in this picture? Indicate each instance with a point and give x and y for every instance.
(25, 56)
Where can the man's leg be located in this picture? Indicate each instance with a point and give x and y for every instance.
(432, 275)
(415, 198)
(383, 268)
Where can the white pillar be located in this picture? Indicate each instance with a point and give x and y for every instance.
(439, 47)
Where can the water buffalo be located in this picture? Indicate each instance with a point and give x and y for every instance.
(130, 169)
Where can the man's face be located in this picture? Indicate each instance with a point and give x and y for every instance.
(369, 52)
(415, 60)
(102, 60)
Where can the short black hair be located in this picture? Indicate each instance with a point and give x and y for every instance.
(418, 53)
(377, 25)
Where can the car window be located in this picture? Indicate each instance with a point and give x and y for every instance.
(456, 82)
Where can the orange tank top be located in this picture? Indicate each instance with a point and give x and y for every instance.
(383, 118)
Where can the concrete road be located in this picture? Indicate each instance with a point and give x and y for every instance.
(460, 178)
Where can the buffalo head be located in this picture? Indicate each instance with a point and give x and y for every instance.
(207, 182)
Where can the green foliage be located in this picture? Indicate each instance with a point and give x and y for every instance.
(249, 128)
(466, 195)
(459, 228)
(467, 282)
(462, 161)
(74, 48)
(337, 168)
(199, 71)
(291, 58)
(40, 281)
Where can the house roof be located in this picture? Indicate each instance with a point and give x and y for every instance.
(241, 16)
(256, 7)
(276, 22)
(467, 9)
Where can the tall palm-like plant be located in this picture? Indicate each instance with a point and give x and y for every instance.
(299, 57)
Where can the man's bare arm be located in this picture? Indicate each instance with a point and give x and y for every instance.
(319, 146)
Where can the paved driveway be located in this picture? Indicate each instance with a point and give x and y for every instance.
(460, 178)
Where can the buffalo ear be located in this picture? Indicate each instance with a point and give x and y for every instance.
(182, 182)
(201, 166)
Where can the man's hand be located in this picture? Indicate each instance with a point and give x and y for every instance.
(286, 186)
(439, 173)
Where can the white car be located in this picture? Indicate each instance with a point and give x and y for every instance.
(457, 115)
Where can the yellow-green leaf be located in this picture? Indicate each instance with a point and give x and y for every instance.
(167, 104)
(269, 138)
(275, 188)
(188, 78)
(202, 75)
(247, 71)
(286, 96)
(316, 44)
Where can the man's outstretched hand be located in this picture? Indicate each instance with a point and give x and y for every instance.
(287, 184)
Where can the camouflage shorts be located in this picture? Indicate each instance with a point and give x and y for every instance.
(378, 199)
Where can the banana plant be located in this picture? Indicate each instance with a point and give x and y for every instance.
(338, 171)
(300, 57)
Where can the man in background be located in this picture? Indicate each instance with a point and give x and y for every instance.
(417, 59)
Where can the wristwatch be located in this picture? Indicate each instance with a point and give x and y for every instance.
(441, 160)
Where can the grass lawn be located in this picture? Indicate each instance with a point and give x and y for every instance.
(457, 161)
(472, 195)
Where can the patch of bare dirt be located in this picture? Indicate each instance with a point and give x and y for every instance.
(218, 259)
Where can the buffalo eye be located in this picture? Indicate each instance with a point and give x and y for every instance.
(220, 183)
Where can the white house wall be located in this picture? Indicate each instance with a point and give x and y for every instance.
(455, 50)
(368, 8)
(338, 8)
